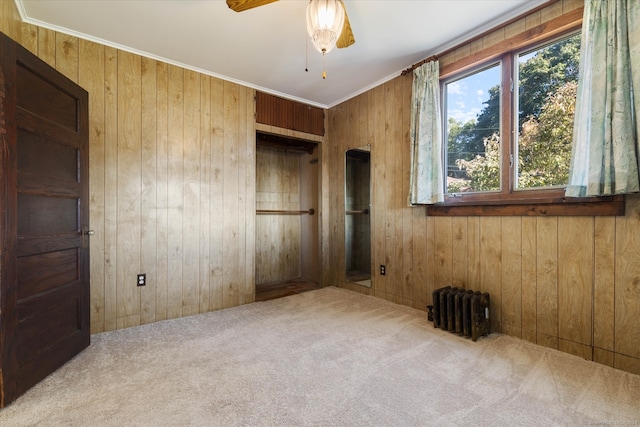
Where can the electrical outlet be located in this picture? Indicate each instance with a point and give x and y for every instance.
(142, 279)
(383, 270)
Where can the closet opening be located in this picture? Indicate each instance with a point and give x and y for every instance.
(287, 198)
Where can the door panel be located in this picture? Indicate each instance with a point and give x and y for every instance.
(45, 294)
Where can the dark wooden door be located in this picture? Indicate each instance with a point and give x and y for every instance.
(44, 293)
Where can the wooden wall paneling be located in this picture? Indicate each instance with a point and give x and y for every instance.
(29, 37)
(512, 276)
(67, 55)
(550, 12)
(491, 266)
(547, 282)
(111, 187)
(473, 254)
(393, 96)
(230, 240)
(309, 246)
(459, 236)
(175, 190)
(533, 19)
(627, 285)
(324, 206)
(162, 191)
(411, 226)
(529, 278)
(263, 222)
(385, 189)
(332, 267)
(204, 198)
(91, 77)
(378, 153)
(443, 252)
(10, 22)
(515, 28)
(243, 136)
(129, 189)
(249, 208)
(569, 5)
(191, 189)
(604, 280)
(47, 46)
(430, 262)
(148, 198)
(575, 279)
(216, 212)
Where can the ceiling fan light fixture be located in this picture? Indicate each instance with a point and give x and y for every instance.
(325, 20)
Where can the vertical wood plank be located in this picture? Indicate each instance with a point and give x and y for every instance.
(29, 37)
(67, 55)
(47, 46)
(149, 208)
(459, 242)
(491, 266)
(249, 208)
(111, 187)
(162, 190)
(204, 198)
(379, 205)
(91, 77)
(529, 278)
(216, 213)
(575, 279)
(547, 280)
(474, 255)
(442, 251)
(512, 276)
(231, 252)
(604, 282)
(175, 190)
(191, 192)
(129, 189)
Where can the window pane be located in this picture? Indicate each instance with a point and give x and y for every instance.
(473, 132)
(547, 84)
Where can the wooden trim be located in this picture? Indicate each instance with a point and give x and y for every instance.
(612, 206)
(565, 23)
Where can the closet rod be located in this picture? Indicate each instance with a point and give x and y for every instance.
(269, 211)
(363, 211)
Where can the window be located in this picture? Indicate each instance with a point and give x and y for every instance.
(509, 123)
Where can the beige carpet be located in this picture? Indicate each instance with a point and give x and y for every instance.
(322, 358)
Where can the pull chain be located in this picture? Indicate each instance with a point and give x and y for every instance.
(324, 68)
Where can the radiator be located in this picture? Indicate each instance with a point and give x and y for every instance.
(461, 311)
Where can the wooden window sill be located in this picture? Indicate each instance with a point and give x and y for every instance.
(604, 206)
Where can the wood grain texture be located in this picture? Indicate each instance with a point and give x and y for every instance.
(91, 76)
(604, 283)
(149, 207)
(575, 279)
(129, 187)
(547, 277)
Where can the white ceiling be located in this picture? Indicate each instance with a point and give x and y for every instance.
(266, 47)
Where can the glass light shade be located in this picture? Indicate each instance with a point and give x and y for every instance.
(325, 19)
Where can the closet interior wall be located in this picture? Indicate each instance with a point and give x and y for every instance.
(287, 235)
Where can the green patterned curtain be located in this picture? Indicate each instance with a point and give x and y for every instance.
(604, 158)
(427, 181)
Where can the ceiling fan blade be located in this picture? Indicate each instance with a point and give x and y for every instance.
(242, 5)
(346, 38)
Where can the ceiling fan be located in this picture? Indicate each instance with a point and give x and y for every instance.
(316, 8)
